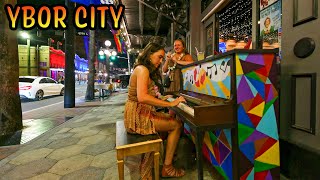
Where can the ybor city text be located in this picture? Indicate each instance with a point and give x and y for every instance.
(56, 17)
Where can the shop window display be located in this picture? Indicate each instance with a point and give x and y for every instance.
(235, 24)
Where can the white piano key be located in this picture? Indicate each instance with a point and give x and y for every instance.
(183, 107)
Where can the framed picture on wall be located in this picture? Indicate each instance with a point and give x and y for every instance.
(304, 11)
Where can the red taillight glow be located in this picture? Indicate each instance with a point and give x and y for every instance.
(118, 80)
(25, 87)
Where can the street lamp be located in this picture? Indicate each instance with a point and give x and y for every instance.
(27, 36)
(113, 53)
(107, 43)
(108, 54)
(101, 53)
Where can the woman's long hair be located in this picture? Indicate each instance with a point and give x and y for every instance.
(144, 59)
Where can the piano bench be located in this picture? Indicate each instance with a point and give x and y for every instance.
(133, 144)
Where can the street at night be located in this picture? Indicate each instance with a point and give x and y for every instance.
(41, 116)
(156, 89)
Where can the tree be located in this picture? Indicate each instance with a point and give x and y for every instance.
(91, 74)
(10, 104)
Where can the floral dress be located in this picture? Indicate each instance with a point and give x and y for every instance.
(138, 119)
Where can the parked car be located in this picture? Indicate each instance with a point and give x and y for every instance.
(37, 87)
(122, 79)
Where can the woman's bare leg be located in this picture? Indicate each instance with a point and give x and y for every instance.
(173, 127)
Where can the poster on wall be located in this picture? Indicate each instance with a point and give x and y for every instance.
(270, 26)
(270, 19)
(266, 3)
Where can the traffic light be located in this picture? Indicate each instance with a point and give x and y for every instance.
(102, 57)
(113, 58)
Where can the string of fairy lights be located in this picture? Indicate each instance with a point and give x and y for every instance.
(236, 21)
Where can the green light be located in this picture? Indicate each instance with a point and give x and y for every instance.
(102, 57)
(112, 57)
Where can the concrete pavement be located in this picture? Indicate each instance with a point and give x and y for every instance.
(81, 148)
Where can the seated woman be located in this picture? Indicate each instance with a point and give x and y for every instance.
(140, 116)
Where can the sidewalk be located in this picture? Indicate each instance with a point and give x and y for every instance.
(81, 148)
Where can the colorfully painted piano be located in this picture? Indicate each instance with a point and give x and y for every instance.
(232, 113)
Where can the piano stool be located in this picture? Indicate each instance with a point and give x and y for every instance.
(133, 144)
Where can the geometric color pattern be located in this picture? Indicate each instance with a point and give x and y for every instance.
(257, 118)
(257, 98)
(217, 149)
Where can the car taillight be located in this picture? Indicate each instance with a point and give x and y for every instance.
(25, 87)
(118, 80)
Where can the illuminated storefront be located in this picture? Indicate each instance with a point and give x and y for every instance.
(81, 68)
(57, 63)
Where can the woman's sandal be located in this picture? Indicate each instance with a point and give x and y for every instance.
(168, 171)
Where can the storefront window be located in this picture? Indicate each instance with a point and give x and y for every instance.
(235, 26)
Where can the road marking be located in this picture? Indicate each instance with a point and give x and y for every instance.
(47, 106)
(42, 107)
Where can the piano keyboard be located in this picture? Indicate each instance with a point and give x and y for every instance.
(183, 107)
(193, 100)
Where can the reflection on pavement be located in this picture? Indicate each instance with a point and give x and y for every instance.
(32, 128)
(40, 120)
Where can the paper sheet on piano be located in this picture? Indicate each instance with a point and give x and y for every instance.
(183, 107)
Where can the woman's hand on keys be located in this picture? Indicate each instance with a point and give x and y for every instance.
(177, 101)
